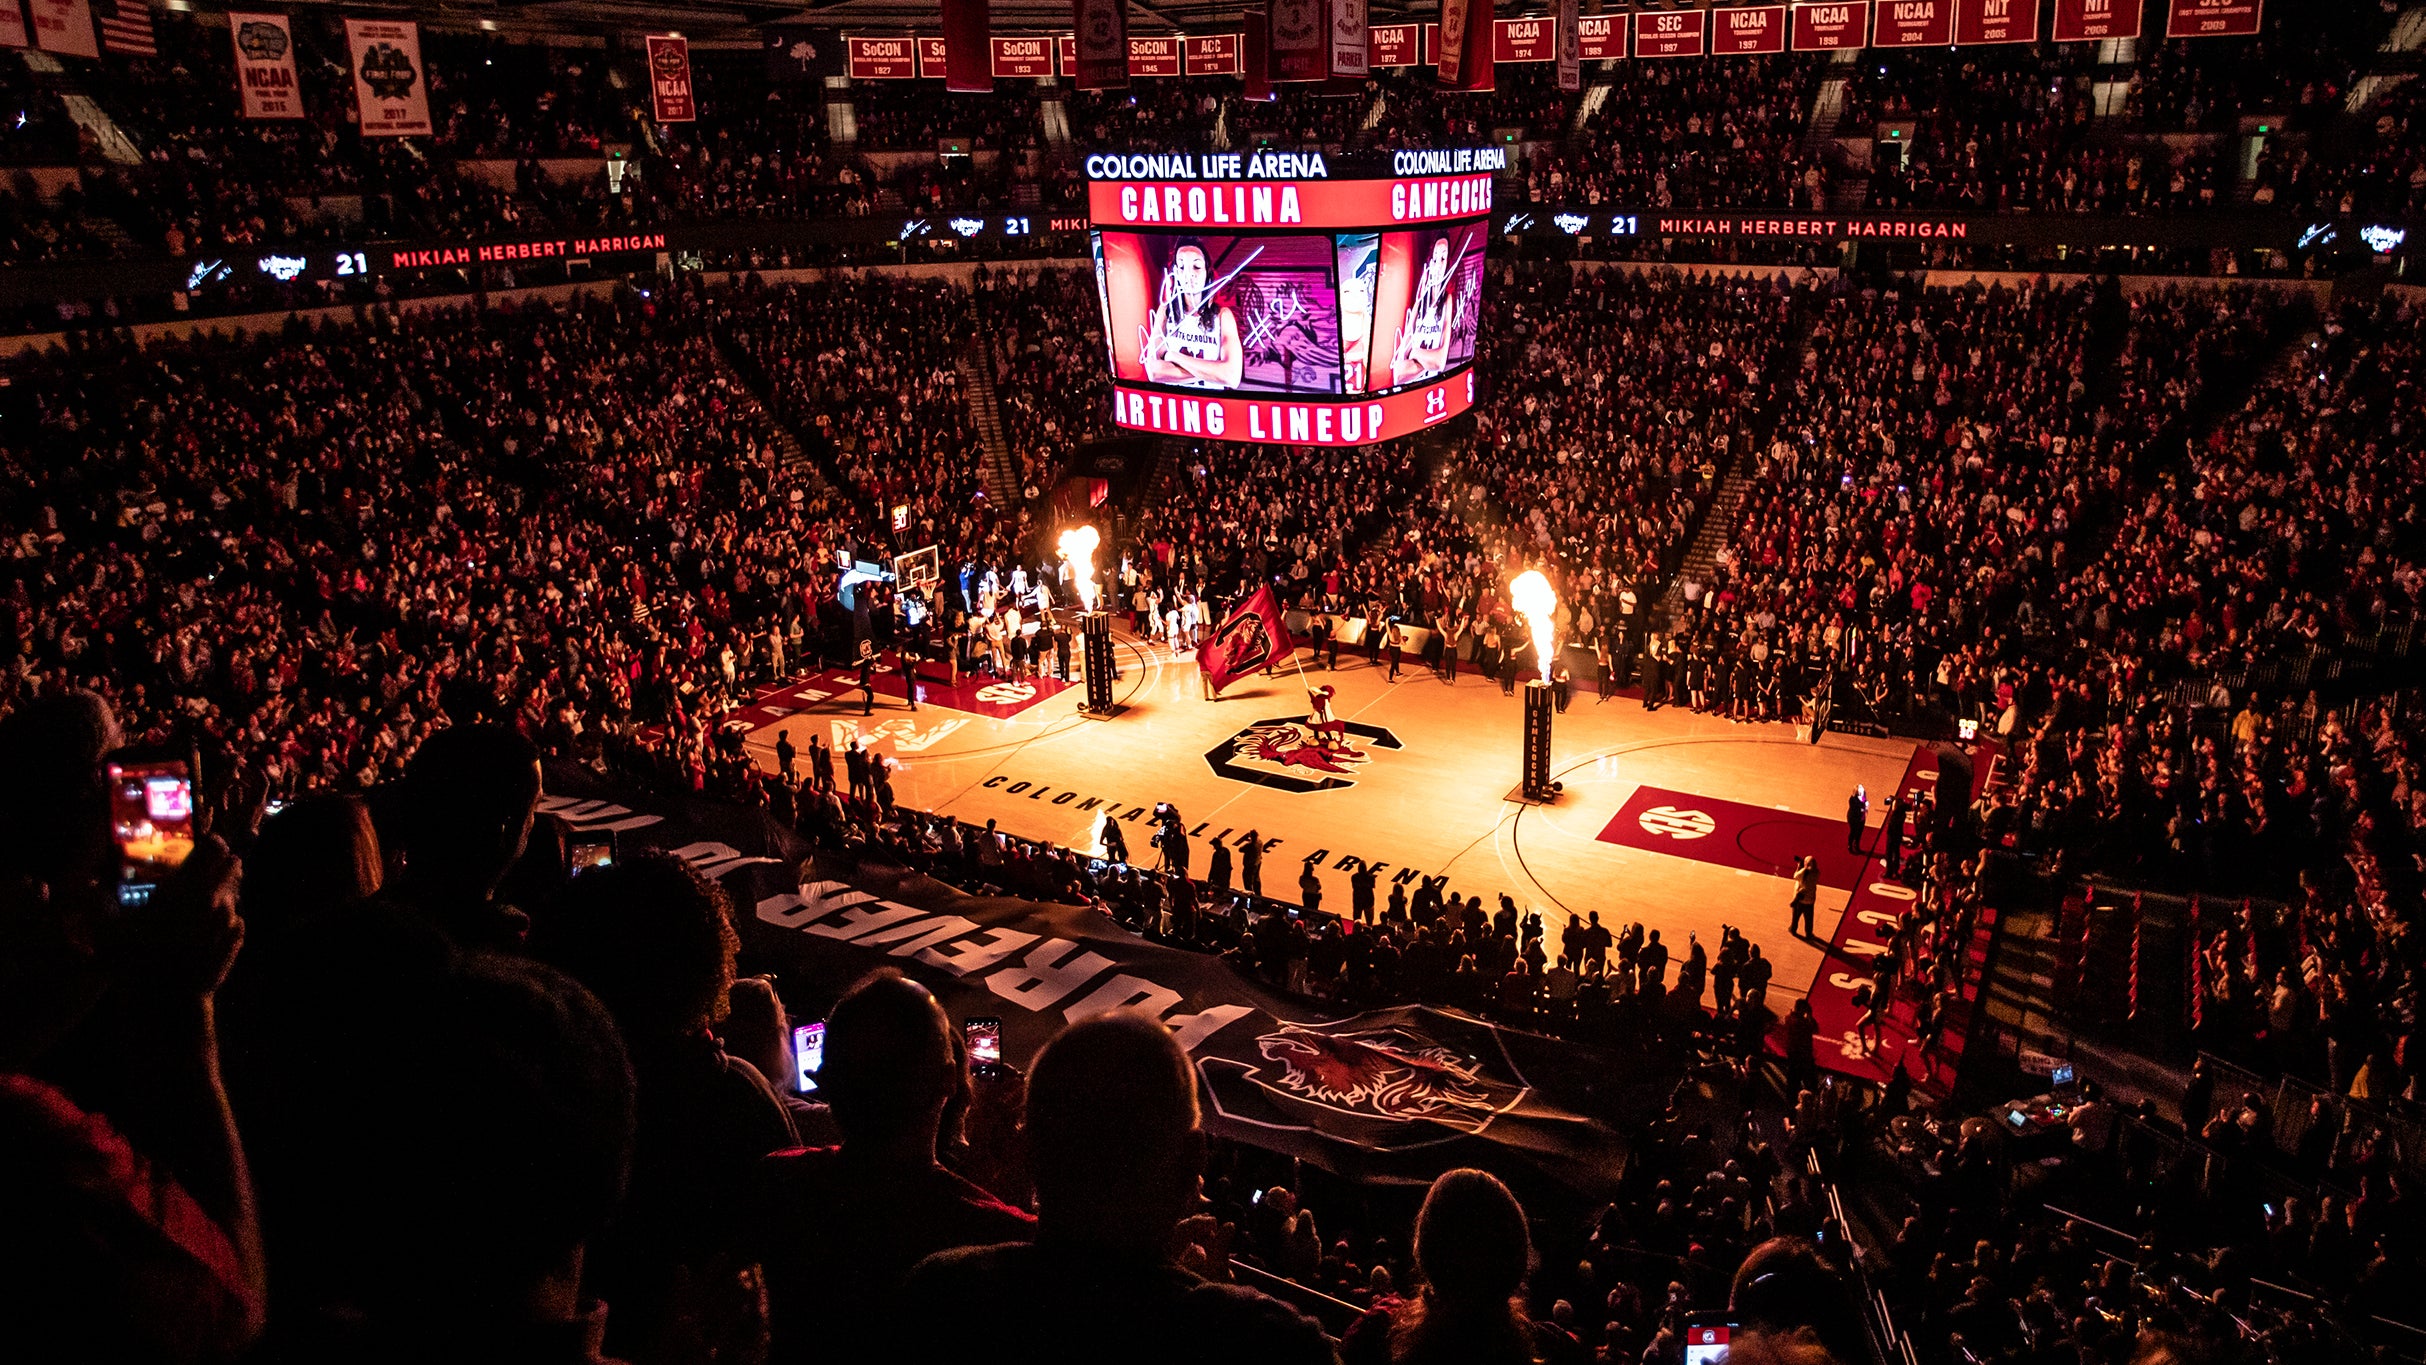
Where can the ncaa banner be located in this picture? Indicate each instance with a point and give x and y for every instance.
(670, 94)
(1748, 32)
(1103, 44)
(265, 65)
(1979, 22)
(967, 46)
(389, 88)
(1351, 52)
(1914, 23)
(1524, 40)
(1570, 48)
(1832, 26)
(1601, 37)
(1393, 45)
(64, 27)
(2087, 21)
(1300, 29)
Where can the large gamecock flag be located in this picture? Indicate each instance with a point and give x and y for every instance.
(1247, 639)
(1397, 1094)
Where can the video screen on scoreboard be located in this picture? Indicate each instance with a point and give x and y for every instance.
(1234, 314)
(1426, 304)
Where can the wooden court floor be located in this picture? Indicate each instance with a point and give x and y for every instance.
(1430, 794)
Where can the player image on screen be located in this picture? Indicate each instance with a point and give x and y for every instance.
(1359, 265)
(1431, 322)
(1426, 293)
(1192, 336)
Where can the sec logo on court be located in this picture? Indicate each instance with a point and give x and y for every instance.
(1670, 823)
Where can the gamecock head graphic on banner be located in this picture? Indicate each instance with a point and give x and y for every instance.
(1247, 639)
(1393, 1078)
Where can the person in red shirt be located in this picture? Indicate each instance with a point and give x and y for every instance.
(838, 1228)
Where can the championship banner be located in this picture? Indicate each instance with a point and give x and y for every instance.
(1601, 37)
(12, 26)
(1299, 30)
(1979, 22)
(2085, 21)
(64, 27)
(1250, 638)
(1154, 56)
(1449, 48)
(1524, 40)
(1396, 1094)
(1214, 54)
(1394, 45)
(389, 89)
(1671, 33)
(1570, 49)
(967, 47)
(1748, 32)
(1914, 23)
(265, 65)
(2213, 18)
(1832, 26)
(1102, 43)
(1256, 41)
(1351, 52)
(670, 93)
(1022, 58)
(881, 59)
(931, 58)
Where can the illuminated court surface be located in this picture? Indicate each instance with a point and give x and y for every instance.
(1713, 811)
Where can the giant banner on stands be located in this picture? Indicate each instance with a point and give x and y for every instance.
(391, 87)
(1395, 1094)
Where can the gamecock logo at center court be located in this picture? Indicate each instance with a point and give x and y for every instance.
(1288, 754)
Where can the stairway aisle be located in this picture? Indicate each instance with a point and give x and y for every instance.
(985, 413)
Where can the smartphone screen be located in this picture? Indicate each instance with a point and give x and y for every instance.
(152, 818)
(808, 1056)
(1706, 1343)
(589, 853)
(985, 1044)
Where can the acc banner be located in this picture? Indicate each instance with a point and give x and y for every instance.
(1102, 42)
(670, 80)
(1214, 54)
(2213, 18)
(1570, 49)
(2083, 21)
(1351, 53)
(1397, 1094)
(265, 65)
(390, 89)
(64, 27)
(1996, 21)
(967, 46)
(1299, 31)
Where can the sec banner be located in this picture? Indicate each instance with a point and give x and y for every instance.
(1996, 21)
(389, 85)
(265, 65)
(1671, 33)
(2213, 18)
(1914, 23)
(2084, 21)
(1832, 26)
(1749, 32)
(670, 80)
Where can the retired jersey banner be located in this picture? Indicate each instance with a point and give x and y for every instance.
(968, 32)
(1299, 31)
(1524, 40)
(2085, 21)
(670, 93)
(1475, 68)
(391, 88)
(12, 26)
(2213, 18)
(881, 59)
(1351, 45)
(1214, 54)
(1671, 33)
(1395, 45)
(1913, 23)
(64, 27)
(1748, 32)
(265, 65)
(1832, 26)
(1154, 56)
(1448, 48)
(1250, 638)
(1101, 44)
(1570, 50)
(1255, 42)
(1601, 37)
(1996, 21)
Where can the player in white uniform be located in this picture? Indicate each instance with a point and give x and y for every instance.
(1423, 340)
(1193, 338)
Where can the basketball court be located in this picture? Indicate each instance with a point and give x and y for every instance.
(1682, 821)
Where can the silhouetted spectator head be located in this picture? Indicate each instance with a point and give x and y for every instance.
(653, 938)
(55, 868)
(469, 795)
(1785, 1290)
(1112, 1133)
(1474, 1249)
(890, 1064)
(319, 854)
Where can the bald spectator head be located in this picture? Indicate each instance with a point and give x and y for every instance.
(889, 1069)
(1112, 1133)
